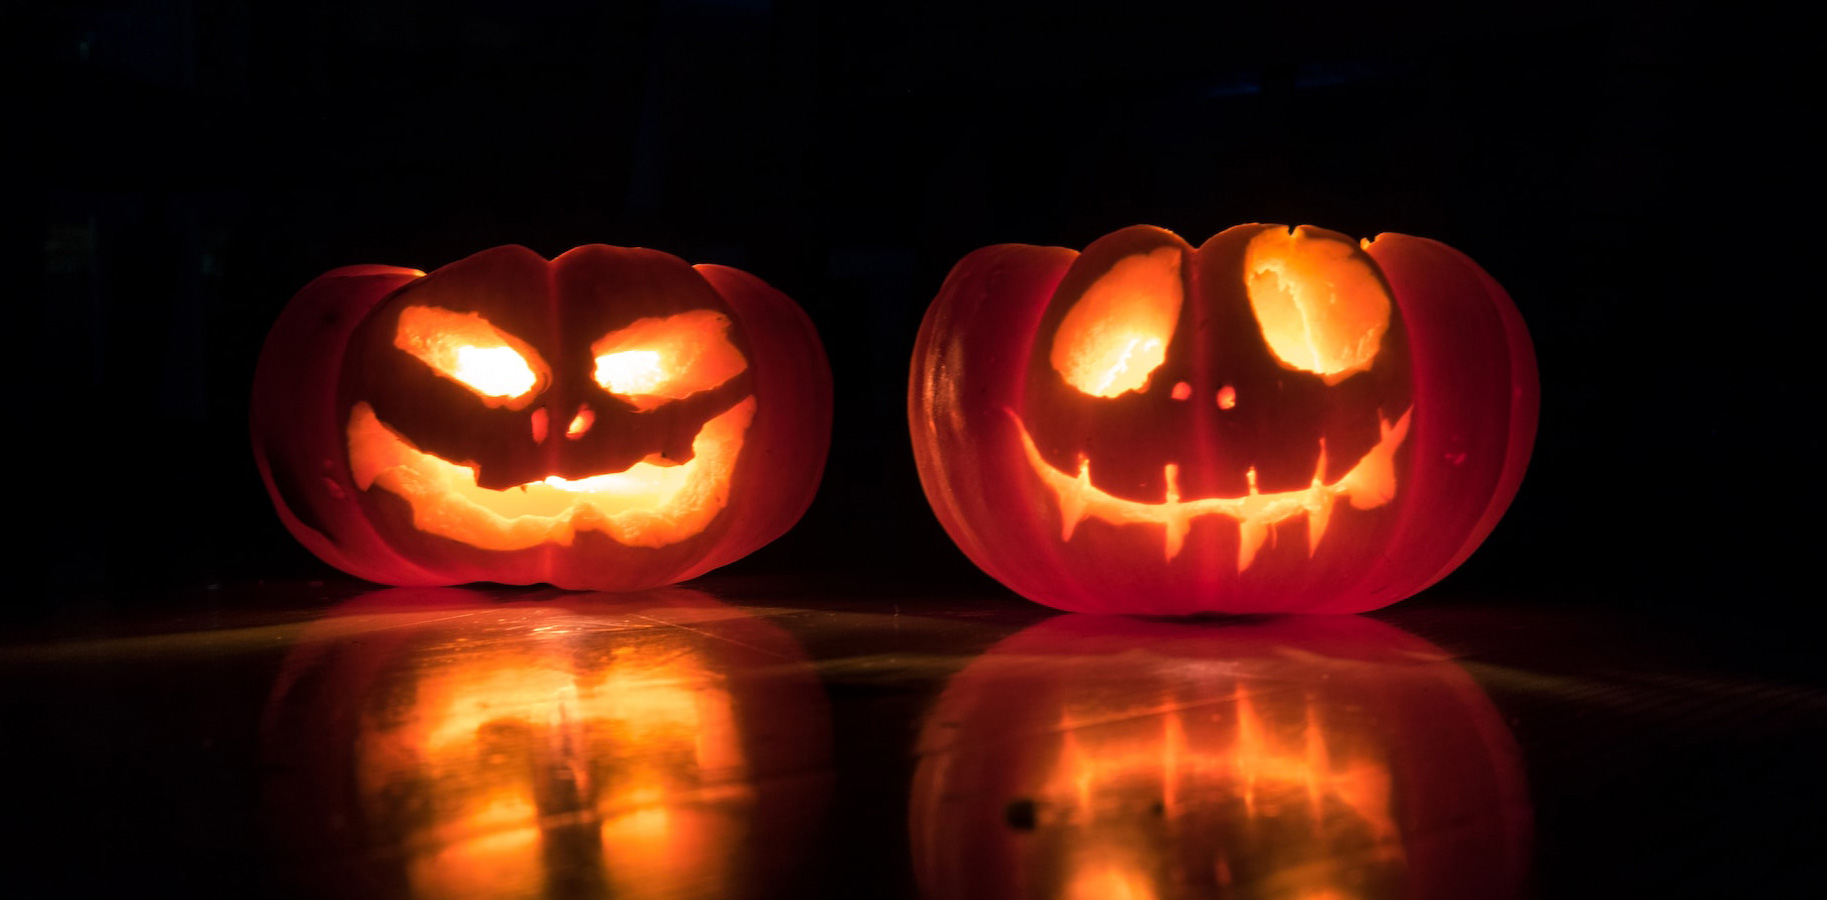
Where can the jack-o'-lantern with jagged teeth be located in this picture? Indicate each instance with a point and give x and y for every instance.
(1279, 420)
(612, 419)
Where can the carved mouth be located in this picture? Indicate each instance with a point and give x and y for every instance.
(646, 505)
(1370, 484)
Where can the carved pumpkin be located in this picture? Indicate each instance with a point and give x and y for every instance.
(613, 419)
(1280, 420)
(437, 744)
(1297, 757)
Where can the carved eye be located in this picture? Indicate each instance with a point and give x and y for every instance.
(465, 348)
(1319, 300)
(1116, 335)
(658, 360)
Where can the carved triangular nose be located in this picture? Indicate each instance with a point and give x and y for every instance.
(578, 427)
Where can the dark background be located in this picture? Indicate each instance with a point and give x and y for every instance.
(1633, 173)
(1630, 172)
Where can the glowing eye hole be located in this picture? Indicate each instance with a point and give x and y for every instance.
(658, 360)
(630, 371)
(1116, 335)
(495, 371)
(1322, 307)
(465, 348)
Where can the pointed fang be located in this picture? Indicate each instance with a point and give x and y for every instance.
(1072, 506)
(1175, 521)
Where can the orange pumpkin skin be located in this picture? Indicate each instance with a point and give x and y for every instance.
(1239, 475)
(362, 416)
(1296, 756)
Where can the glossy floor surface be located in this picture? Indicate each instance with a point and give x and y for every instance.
(753, 737)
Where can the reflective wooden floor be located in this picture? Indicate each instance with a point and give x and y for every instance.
(760, 737)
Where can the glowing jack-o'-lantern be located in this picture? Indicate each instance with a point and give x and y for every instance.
(1280, 420)
(613, 419)
(1091, 757)
(435, 744)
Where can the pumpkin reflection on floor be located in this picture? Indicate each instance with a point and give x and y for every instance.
(1296, 758)
(436, 744)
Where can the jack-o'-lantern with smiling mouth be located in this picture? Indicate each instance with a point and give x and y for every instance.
(1280, 420)
(612, 419)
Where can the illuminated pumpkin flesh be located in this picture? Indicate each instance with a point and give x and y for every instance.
(1278, 420)
(612, 419)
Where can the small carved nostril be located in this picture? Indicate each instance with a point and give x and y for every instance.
(539, 425)
(1227, 397)
(1182, 391)
(1022, 814)
(580, 423)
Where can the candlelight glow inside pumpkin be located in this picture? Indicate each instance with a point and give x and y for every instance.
(1320, 303)
(1277, 420)
(1369, 484)
(649, 504)
(654, 361)
(1321, 308)
(611, 419)
(468, 350)
(1116, 335)
(652, 503)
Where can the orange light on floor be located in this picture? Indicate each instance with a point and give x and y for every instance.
(644, 745)
(1309, 758)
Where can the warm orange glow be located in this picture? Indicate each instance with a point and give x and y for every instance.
(1110, 881)
(465, 348)
(1116, 335)
(1230, 774)
(652, 504)
(630, 371)
(509, 750)
(580, 423)
(1320, 302)
(494, 371)
(1370, 484)
(656, 360)
(485, 855)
